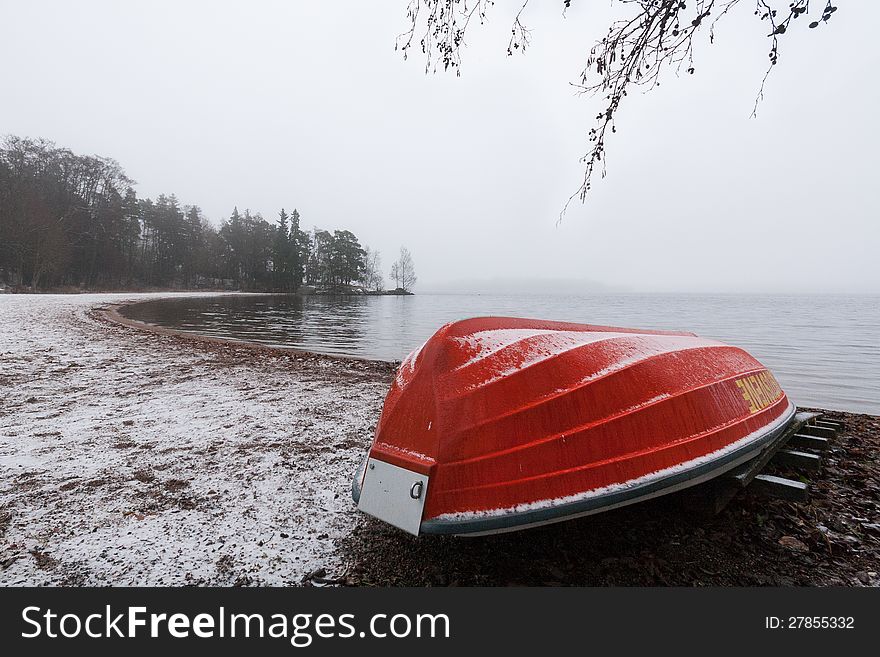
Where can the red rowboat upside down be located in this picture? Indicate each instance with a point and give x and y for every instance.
(497, 424)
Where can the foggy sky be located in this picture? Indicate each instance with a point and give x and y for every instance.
(306, 105)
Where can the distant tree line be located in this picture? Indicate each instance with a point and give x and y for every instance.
(73, 221)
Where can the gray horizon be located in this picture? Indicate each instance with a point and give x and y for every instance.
(308, 106)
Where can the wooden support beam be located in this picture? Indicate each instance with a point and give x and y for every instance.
(808, 416)
(836, 426)
(778, 487)
(747, 471)
(799, 460)
(808, 442)
(711, 497)
(708, 499)
(815, 430)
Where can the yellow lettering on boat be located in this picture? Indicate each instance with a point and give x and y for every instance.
(759, 390)
(755, 392)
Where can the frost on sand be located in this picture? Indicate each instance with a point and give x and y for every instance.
(128, 458)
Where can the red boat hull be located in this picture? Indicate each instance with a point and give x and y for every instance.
(515, 422)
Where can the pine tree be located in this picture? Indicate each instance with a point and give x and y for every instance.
(192, 242)
(298, 244)
(281, 254)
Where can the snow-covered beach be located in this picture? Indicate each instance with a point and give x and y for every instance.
(134, 458)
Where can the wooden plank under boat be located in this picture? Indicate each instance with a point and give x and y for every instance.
(497, 424)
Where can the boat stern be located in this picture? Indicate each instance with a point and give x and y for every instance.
(391, 493)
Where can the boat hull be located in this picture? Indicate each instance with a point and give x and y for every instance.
(511, 423)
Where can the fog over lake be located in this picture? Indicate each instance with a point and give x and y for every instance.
(292, 104)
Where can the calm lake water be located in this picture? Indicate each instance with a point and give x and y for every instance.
(823, 349)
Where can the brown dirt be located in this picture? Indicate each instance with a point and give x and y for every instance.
(832, 540)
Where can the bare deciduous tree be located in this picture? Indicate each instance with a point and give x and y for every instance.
(403, 271)
(395, 274)
(374, 281)
(659, 34)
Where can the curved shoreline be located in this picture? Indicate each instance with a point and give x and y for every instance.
(170, 459)
(110, 313)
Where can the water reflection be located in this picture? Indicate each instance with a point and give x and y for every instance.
(823, 349)
(333, 325)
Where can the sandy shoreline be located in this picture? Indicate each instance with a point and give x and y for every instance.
(133, 457)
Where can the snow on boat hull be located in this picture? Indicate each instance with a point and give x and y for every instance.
(497, 424)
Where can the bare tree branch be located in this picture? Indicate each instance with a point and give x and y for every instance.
(634, 52)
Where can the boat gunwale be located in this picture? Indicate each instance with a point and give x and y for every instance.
(501, 521)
